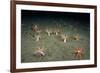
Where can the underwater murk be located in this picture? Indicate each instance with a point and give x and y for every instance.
(54, 36)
